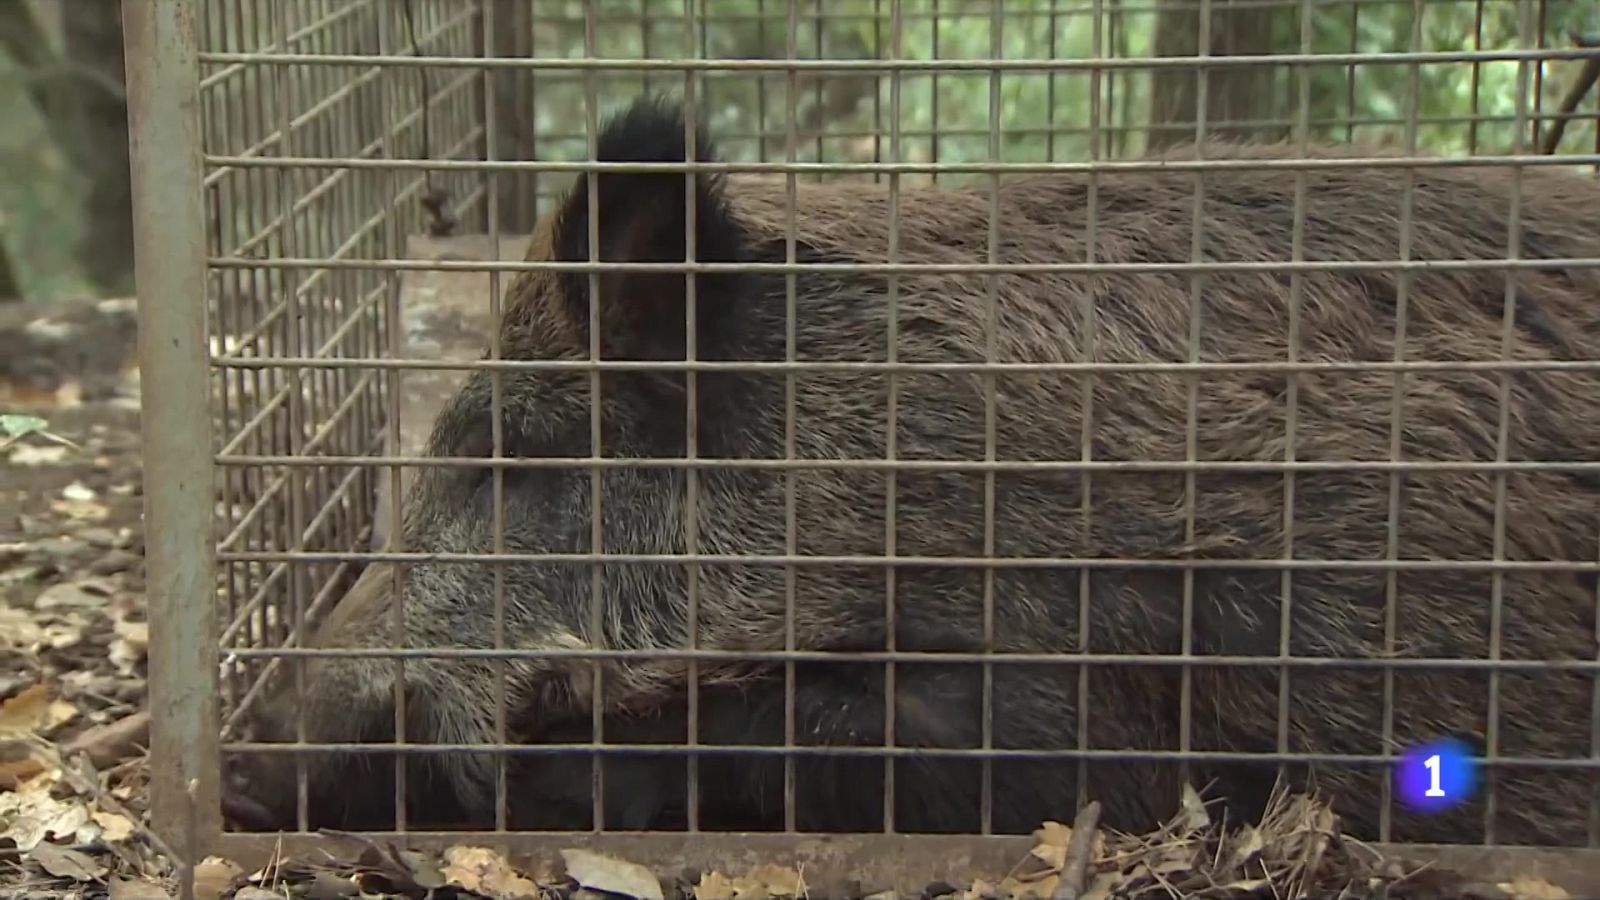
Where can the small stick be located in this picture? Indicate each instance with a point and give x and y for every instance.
(1075, 865)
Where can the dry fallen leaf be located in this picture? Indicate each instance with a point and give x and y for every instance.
(31, 814)
(130, 889)
(33, 710)
(128, 650)
(19, 630)
(64, 862)
(115, 827)
(979, 890)
(326, 885)
(87, 593)
(420, 866)
(1052, 840)
(1247, 844)
(776, 881)
(1533, 889)
(81, 510)
(714, 886)
(112, 742)
(484, 871)
(14, 772)
(37, 455)
(1036, 886)
(1194, 817)
(605, 873)
(213, 876)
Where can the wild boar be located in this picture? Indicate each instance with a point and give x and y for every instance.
(1238, 555)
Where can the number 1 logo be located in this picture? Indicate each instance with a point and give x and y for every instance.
(1436, 776)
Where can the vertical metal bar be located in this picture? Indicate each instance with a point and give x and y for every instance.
(891, 444)
(1050, 79)
(1191, 450)
(819, 111)
(1477, 79)
(213, 104)
(990, 390)
(591, 117)
(1537, 43)
(497, 424)
(294, 479)
(1350, 71)
(163, 74)
(1396, 420)
(394, 338)
(790, 521)
(1086, 398)
(877, 93)
(933, 90)
(1508, 326)
(1302, 137)
(691, 506)
(761, 82)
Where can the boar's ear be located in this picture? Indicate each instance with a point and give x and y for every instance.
(642, 219)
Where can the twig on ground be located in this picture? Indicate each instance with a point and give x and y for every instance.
(1081, 846)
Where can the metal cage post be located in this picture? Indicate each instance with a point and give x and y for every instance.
(161, 38)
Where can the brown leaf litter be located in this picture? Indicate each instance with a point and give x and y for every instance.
(1295, 851)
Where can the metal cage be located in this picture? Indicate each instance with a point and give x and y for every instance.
(299, 165)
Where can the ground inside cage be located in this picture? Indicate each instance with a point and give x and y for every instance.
(445, 315)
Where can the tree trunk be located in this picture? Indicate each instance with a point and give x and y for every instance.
(1238, 98)
(514, 114)
(92, 35)
(10, 285)
(80, 98)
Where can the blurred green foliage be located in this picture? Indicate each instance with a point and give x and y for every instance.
(40, 200)
(1459, 107)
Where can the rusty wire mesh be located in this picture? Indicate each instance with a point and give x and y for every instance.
(337, 130)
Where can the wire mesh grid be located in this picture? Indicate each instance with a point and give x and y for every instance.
(1046, 572)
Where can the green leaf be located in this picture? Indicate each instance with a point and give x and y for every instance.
(15, 426)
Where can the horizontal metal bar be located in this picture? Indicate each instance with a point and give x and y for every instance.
(257, 150)
(1061, 268)
(835, 16)
(781, 66)
(847, 865)
(267, 496)
(853, 751)
(1140, 660)
(917, 465)
(936, 562)
(778, 134)
(974, 167)
(432, 364)
(309, 30)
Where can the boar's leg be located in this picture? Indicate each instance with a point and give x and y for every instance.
(937, 705)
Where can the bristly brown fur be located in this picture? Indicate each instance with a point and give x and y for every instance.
(1122, 518)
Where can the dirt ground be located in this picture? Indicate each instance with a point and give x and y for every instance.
(73, 726)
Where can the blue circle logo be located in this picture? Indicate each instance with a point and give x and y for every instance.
(1437, 775)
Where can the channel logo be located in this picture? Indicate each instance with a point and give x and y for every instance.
(1436, 776)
